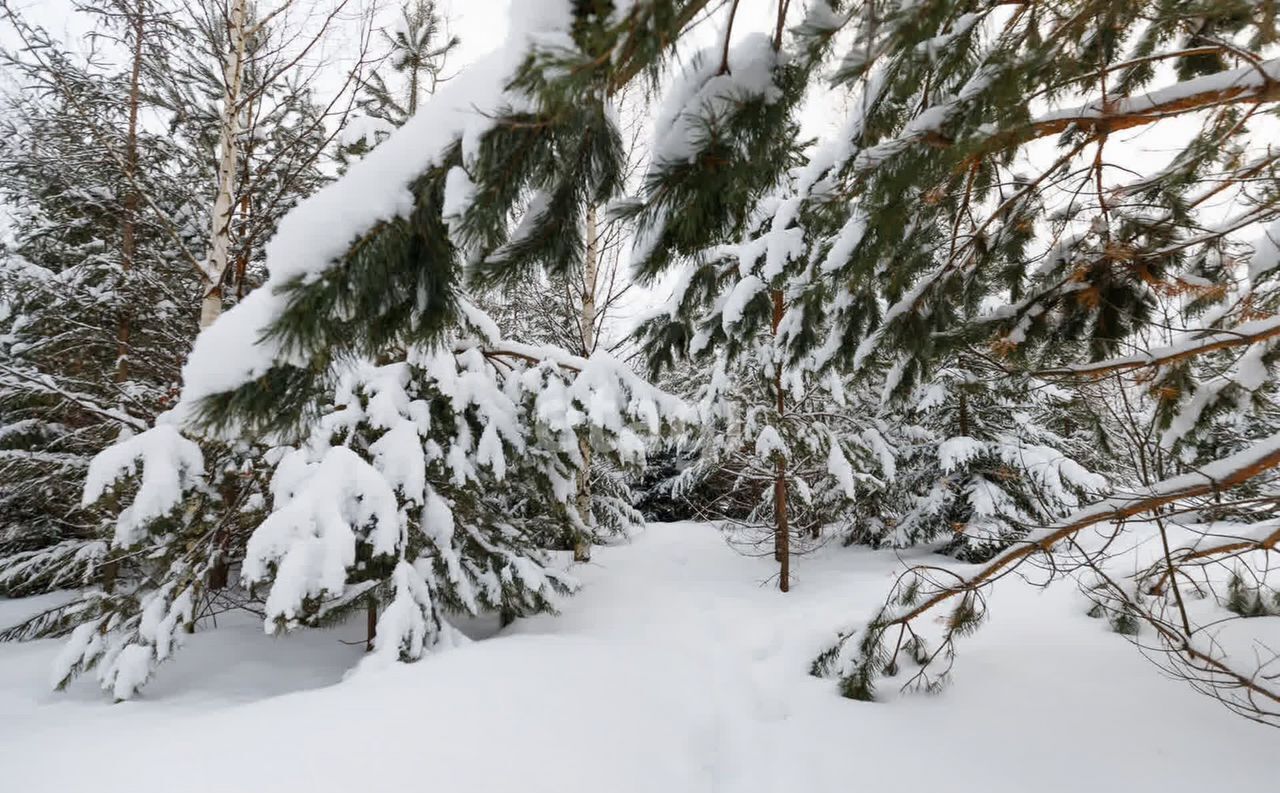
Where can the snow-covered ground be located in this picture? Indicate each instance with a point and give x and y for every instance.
(675, 669)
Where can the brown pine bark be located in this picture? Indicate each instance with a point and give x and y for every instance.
(781, 526)
(129, 218)
(128, 231)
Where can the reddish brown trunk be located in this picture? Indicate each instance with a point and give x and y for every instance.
(781, 527)
(128, 235)
(242, 269)
(128, 230)
(220, 573)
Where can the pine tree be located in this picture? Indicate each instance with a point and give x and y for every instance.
(574, 311)
(780, 450)
(577, 310)
(418, 49)
(938, 236)
(931, 232)
(980, 204)
(491, 407)
(539, 146)
(398, 501)
(567, 309)
(718, 191)
(560, 311)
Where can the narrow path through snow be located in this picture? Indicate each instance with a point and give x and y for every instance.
(676, 669)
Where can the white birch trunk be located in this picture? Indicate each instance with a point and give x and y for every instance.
(590, 268)
(228, 151)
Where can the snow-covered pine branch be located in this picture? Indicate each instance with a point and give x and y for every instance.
(425, 488)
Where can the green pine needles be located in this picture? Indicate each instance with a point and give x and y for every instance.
(983, 314)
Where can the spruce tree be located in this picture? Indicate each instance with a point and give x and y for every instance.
(97, 309)
(985, 469)
(102, 283)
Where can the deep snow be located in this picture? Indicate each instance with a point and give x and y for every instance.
(677, 668)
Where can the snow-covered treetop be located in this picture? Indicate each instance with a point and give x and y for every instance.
(493, 173)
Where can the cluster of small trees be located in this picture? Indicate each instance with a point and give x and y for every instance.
(969, 317)
(144, 168)
(427, 479)
(1031, 316)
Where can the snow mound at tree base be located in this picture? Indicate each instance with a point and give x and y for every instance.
(676, 669)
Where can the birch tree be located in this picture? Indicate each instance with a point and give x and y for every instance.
(248, 73)
(215, 268)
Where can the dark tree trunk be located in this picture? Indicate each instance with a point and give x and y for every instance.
(781, 528)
